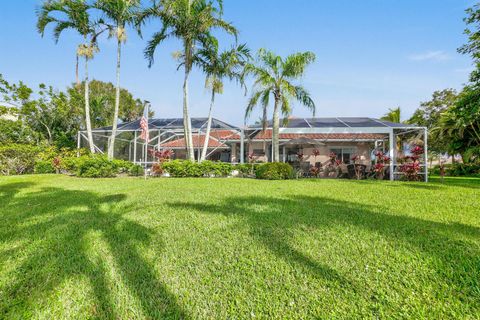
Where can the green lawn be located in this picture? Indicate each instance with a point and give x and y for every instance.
(236, 248)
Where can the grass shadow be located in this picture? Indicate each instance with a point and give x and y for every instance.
(53, 224)
(453, 247)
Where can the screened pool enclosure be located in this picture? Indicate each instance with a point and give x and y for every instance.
(303, 141)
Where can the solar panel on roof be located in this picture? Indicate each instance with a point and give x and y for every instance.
(326, 123)
(362, 122)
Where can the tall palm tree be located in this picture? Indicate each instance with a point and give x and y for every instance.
(393, 115)
(191, 21)
(72, 15)
(217, 66)
(118, 14)
(274, 76)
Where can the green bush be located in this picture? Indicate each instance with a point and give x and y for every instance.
(274, 171)
(18, 158)
(44, 166)
(95, 166)
(185, 168)
(123, 166)
(136, 170)
(246, 168)
(463, 170)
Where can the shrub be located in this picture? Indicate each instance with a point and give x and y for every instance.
(136, 170)
(95, 166)
(463, 170)
(274, 171)
(42, 167)
(70, 164)
(123, 166)
(185, 168)
(18, 158)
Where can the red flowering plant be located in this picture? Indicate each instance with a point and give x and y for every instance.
(57, 164)
(382, 163)
(300, 156)
(315, 154)
(162, 156)
(358, 170)
(411, 165)
(315, 171)
(332, 166)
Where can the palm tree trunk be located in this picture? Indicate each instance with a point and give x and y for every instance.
(187, 124)
(275, 132)
(87, 110)
(111, 146)
(76, 72)
(209, 126)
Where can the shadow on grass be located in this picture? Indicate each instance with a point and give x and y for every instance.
(273, 221)
(52, 226)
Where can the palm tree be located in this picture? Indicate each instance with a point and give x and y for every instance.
(274, 76)
(74, 15)
(191, 21)
(217, 66)
(393, 115)
(120, 14)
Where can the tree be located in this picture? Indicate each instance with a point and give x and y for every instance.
(191, 21)
(461, 123)
(393, 115)
(120, 14)
(74, 15)
(274, 76)
(102, 102)
(472, 47)
(217, 66)
(429, 114)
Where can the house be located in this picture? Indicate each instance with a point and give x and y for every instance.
(306, 140)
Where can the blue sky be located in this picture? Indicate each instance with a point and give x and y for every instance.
(371, 55)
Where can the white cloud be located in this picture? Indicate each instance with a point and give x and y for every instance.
(430, 56)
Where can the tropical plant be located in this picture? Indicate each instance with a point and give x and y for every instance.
(217, 66)
(190, 21)
(429, 114)
(274, 76)
(73, 15)
(461, 123)
(102, 103)
(393, 115)
(118, 14)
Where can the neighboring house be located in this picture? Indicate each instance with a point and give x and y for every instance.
(342, 136)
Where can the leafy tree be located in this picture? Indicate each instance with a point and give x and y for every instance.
(472, 47)
(73, 15)
(120, 14)
(429, 114)
(52, 116)
(217, 66)
(274, 76)
(102, 102)
(461, 123)
(190, 21)
(393, 115)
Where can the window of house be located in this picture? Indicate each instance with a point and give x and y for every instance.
(344, 153)
(258, 152)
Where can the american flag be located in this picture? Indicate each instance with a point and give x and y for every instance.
(144, 125)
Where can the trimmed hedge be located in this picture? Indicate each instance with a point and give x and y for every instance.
(274, 171)
(186, 168)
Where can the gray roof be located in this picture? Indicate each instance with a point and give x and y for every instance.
(339, 122)
(169, 123)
